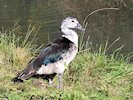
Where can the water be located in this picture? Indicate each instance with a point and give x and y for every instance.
(48, 14)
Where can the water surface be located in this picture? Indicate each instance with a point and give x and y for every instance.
(48, 14)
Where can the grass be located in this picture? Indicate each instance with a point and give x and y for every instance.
(91, 76)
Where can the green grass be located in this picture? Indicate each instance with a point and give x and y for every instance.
(91, 76)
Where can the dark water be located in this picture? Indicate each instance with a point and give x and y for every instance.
(48, 14)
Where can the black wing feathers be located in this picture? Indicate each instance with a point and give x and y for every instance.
(53, 51)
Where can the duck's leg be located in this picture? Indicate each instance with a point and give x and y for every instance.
(50, 79)
(50, 82)
(60, 81)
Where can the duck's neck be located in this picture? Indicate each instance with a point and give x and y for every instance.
(70, 34)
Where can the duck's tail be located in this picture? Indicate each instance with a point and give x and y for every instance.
(27, 73)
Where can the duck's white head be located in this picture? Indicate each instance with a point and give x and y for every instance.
(67, 27)
(71, 23)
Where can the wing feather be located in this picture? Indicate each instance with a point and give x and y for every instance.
(53, 51)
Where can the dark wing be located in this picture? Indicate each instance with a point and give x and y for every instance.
(53, 52)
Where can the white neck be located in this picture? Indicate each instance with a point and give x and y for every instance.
(70, 34)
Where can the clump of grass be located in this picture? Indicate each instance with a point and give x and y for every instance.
(15, 53)
(14, 50)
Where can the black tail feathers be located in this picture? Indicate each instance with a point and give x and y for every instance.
(27, 73)
(16, 80)
(24, 75)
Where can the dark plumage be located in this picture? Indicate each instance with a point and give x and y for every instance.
(54, 50)
(50, 54)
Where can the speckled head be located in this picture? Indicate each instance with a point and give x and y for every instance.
(71, 23)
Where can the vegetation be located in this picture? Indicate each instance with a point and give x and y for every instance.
(91, 76)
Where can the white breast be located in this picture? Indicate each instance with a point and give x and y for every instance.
(69, 56)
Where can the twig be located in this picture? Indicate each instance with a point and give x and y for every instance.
(101, 9)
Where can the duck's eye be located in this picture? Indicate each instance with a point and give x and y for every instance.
(72, 20)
